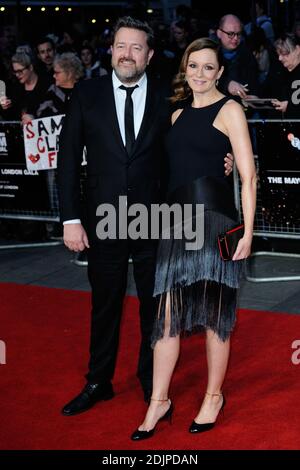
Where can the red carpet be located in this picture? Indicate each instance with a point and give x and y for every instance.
(46, 334)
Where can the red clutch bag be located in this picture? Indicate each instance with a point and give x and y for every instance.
(228, 241)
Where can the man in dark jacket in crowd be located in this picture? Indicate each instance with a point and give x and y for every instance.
(240, 77)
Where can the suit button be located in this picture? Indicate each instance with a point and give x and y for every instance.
(129, 189)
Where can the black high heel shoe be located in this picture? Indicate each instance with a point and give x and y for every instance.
(196, 427)
(139, 435)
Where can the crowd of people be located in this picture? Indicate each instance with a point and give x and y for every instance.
(40, 77)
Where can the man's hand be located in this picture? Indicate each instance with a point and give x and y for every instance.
(229, 160)
(237, 89)
(248, 97)
(75, 237)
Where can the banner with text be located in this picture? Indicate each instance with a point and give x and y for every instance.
(41, 141)
(22, 191)
(278, 148)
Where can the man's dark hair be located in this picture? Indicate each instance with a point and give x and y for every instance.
(262, 4)
(129, 22)
(44, 39)
(181, 24)
(89, 48)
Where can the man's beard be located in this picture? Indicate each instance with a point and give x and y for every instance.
(129, 76)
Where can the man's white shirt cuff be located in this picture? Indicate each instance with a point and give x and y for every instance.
(73, 221)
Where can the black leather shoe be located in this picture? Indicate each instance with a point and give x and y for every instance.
(196, 427)
(87, 398)
(140, 435)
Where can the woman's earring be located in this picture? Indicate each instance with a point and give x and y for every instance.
(217, 82)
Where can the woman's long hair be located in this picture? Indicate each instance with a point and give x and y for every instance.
(181, 88)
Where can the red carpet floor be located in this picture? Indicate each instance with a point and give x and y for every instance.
(46, 334)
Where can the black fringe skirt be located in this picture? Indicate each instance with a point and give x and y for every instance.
(202, 288)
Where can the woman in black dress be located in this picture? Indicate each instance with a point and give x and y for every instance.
(196, 288)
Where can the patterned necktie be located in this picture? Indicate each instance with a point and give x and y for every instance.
(128, 118)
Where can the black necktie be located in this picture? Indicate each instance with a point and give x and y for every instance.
(129, 121)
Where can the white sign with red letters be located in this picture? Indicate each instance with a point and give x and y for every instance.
(41, 140)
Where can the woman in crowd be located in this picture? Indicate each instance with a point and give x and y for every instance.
(68, 70)
(25, 96)
(288, 50)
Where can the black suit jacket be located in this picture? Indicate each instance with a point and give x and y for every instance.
(91, 121)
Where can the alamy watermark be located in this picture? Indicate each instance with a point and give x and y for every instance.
(2, 352)
(295, 358)
(296, 94)
(138, 221)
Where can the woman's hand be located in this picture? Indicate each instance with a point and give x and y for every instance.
(5, 102)
(243, 250)
(26, 118)
(280, 105)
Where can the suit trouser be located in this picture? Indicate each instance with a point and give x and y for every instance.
(107, 271)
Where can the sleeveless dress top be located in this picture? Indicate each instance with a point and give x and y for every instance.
(195, 147)
(202, 288)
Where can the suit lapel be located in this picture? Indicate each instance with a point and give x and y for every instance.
(109, 105)
(148, 118)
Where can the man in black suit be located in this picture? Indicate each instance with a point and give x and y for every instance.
(96, 119)
(118, 164)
